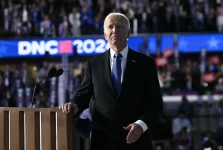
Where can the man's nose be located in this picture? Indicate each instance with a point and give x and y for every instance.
(115, 30)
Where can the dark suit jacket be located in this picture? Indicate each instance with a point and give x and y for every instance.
(139, 99)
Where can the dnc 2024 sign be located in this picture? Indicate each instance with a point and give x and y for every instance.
(56, 47)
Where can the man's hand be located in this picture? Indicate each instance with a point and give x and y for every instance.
(135, 131)
(69, 108)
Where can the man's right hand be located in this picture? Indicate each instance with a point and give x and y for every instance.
(69, 108)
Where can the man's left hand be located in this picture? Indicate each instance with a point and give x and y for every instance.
(135, 132)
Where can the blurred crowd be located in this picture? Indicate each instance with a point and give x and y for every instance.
(50, 18)
(186, 129)
(17, 84)
(190, 79)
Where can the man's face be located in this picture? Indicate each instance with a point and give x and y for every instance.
(116, 31)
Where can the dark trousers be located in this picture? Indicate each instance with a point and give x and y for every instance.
(81, 143)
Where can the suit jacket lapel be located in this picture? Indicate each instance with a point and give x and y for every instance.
(129, 63)
(128, 68)
(106, 69)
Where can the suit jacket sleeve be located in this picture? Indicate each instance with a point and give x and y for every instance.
(154, 106)
(85, 91)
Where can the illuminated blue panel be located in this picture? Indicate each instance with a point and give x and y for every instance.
(167, 42)
(152, 44)
(194, 43)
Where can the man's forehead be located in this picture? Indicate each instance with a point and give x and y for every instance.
(113, 20)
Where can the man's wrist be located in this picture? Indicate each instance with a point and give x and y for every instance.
(142, 124)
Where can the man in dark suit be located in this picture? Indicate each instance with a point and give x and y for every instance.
(125, 90)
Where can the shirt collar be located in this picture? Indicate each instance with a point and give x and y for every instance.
(124, 52)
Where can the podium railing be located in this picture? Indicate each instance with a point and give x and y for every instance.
(36, 129)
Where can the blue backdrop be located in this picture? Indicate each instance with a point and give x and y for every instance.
(187, 43)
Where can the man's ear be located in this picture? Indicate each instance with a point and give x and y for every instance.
(105, 36)
(128, 34)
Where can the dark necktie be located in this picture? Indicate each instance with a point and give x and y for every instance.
(117, 72)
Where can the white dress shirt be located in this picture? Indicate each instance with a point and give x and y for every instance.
(86, 114)
(124, 53)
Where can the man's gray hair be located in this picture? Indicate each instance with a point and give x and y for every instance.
(125, 19)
